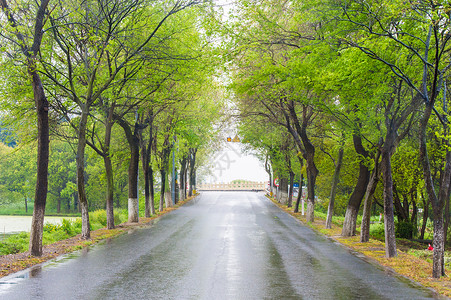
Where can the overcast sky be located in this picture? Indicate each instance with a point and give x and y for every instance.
(230, 164)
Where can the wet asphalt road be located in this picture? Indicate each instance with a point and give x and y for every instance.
(222, 245)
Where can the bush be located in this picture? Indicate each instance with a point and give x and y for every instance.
(15, 243)
(50, 227)
(404, 230)
(67, 227)
(120, 216)
(377, 231)
(98, 216)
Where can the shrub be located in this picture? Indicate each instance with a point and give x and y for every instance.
(377, 231)
(120, 216)
(98, 216)
(77, 225)
(404, 230)
(15, 243)
(50, 227)
(67, 226)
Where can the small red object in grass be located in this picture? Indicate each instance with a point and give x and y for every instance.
(430, 247)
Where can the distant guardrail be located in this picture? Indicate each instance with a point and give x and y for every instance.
(245, 186)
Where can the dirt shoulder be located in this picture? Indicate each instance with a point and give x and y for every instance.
(405, 264)
(17, 262)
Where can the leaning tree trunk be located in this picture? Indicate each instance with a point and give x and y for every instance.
(365, 228)
(425, 215)
(42, 109)
(333, 191)
(298, 199)
(352, 210)
(308, 152)
(82, 199)
(301, 180)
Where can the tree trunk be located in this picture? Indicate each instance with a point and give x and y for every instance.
(192, 171)
(425, 215)
(437, 202)
(152, 192)
(438, 244)
(109, 169)
(268, 170)
(352, 210)
(445, 235)
(83, 201)
(389, 221)
(282, 196)
(183, 163)
(333, 190)
(76, 206)
(290, 193)
(110, 191)
(146, 187)
(168, 198)
(401, 208)
(308, 152)
(163, 188)
(58, 205)
(133, 209)
(133, 142)
(372, 185)
(301, 180)
(42, 108)
(146, 151)
(26, 204)
(312, 173)
(145, 163)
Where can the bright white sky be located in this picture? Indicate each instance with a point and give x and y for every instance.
(230, 164)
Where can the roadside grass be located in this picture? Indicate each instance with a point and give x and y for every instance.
(413, 261)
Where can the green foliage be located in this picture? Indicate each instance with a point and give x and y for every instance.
(405, 230)
(377, 231)
(15, 243)
(98, 216)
